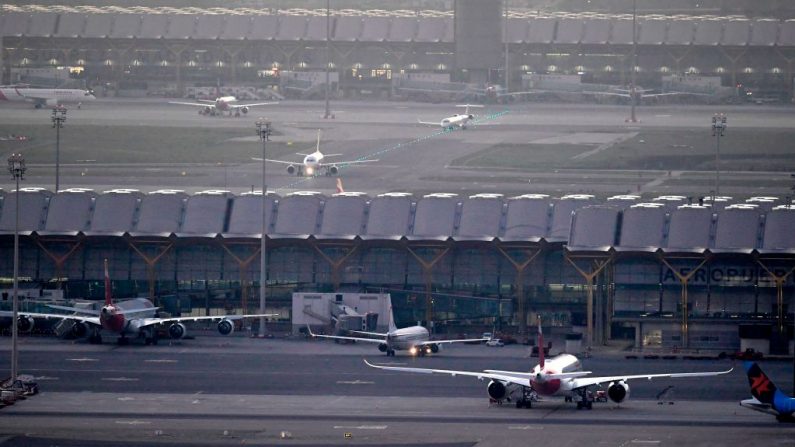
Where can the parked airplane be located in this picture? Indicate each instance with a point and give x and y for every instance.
(639, 94)
(221, 105)
(313, 162)
(766, 397)
(135, 317)
(560, 376)
(41, 97)
(457, 120)
(414, 339)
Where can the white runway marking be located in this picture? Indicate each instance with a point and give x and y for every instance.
(360, 427)
(160, 361)
(525, 427)
(354, 382)
(46, 378)
(120, 379)
(133, 422)
(640, 441)
(126, 398)
(82, 359)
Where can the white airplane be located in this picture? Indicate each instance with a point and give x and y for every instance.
(41, 97)
(414, 339)
(457, 120)
(135, 317)
(560, 376)
(766, 397)
(221, 105)
(638, 93)
(314, 162)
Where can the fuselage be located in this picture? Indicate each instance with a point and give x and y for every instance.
(312, 162)
(563, 363)
(455, 120)
(50, 95)
(406, 338)
(224, 102)
(121, 317)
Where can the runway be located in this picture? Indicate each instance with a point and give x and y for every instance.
(521, 148)
(219, 391)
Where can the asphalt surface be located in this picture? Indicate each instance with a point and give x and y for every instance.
(219, 391)
(421, 159)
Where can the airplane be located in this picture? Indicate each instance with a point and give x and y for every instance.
(221, 104)
(766, 397)
(638, 94)
(562, 375)
(41, 97)
(313, 162)
(456, 120)
(414, 339)
(135, 317)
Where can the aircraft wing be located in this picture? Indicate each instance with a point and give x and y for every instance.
(277, 161)
(154, 321)
(588, 381)
(237, 106)
(341, 337)
(46, 316)
(429, 123)
(621, 95)
(754, 404)
(75, 309)
(352, 162)
(445, 342)
(195, 104)
(524, 381)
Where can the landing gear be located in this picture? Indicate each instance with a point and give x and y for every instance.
(390, 352)
(95, 338)
(585, 399)
(529, 395)
(123, 341)
(150, 338)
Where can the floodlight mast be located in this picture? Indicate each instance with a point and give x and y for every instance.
(264, 132)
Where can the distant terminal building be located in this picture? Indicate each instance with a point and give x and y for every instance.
(164, 50)
(662, 271)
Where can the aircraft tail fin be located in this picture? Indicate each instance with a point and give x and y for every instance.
(108, 297)
(540, 345)
(340, 189)
(762, 388)
(317, 148)
(392, 325)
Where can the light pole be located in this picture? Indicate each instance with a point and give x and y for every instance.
(633, 95)
(263, 131)
(718, 129)
(16, 166)
(58, 118)
(328, 56)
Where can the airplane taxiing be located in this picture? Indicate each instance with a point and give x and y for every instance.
(414, 339)
(41, 97)
(766, 397)
(562, 375)
(314, 162)
(135, 317)
(459, 120)
(221, 105)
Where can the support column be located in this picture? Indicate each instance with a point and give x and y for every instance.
(59, 260)
(151, 262)
(242, 265)
(335, 263)
(683, 281)
(427, 274)
(779, 280)
(521, 267)
(597, 266)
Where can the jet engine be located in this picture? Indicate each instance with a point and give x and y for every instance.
(225, 327)
(176, 331)
(497, 390)
(290, 169)
(25, 324)
(79, 330)
(382, 347)
(333, 170)
(434, 348)
(244, 110)
(208, 110)
(618, 391)
(471, 117)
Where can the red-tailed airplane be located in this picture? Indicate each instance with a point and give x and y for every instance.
(41, 97)
(766, 397)
(562, 375)
(313, 163)
(221, 105)
(135, 317)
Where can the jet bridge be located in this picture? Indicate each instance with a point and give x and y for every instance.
(335, 312)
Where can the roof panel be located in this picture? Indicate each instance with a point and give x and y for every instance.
(98, 25)
(126, 26)
(786, 37)
(542, 30)
(779, 230)
(114, 212)
(652, 32)
(597, 31)
(205, 214)
(348, 29)
(71, 25)
(517, 30)
(181, 26)
(642, 227)
(593, 227)
(561, 217)
(708, 32)
(527, 218)
(689, 228)
(246, 215)
(236, 27)
(622, 32)
(680, 32)
(292, 28)
(161, 214)
(297, 215)
(209, 27)
(402, 29)
(737, 229)
(435, 217)
(389, 216)
(42, 25)
(343, 216)
(432, 29)
(736, 33)
(153, 26)
(480, 218)
(264, 28)
(32, 206)
(764, 33)
(316, 28)
(17, 24)
(375, 29)
(569, 31)
(69, 212)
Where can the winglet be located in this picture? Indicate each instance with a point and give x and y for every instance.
(309, 330)
(108, 297)
(762, 388)
(317, 148)
(540, 345)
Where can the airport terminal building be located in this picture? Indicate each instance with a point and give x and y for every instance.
(661, 271)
